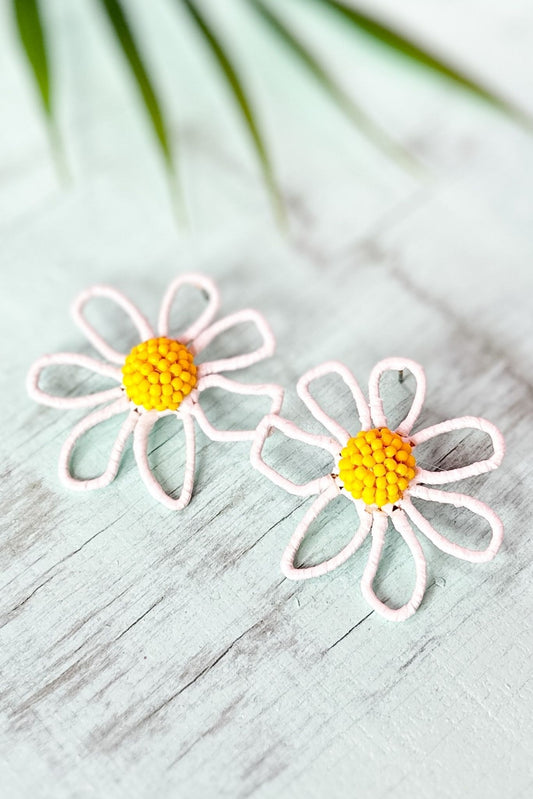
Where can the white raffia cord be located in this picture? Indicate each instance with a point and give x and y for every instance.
(72, 359)
(264, 429)
(372, 520)
(108, 292)
(138, 421)
(334, 367)
(140, 450)
(87, 423)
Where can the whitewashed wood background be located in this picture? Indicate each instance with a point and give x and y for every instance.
(148, 654)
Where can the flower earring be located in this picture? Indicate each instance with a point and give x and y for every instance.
(376, 470)
(159, 377)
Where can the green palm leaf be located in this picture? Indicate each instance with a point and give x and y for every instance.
(124, 34)
(32, 37)
(410, 49)
(240, 96)
(33, 40)
(377, 135)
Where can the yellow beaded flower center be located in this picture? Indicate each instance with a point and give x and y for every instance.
(158, 374)
(377, 466)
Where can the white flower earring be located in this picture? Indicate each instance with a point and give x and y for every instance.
(159, 377)
(376, 470)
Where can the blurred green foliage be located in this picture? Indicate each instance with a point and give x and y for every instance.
(32, 35)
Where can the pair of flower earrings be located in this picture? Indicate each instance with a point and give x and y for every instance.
(374, 466)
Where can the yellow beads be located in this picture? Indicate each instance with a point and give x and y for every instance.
(377, 466)
(158, 374)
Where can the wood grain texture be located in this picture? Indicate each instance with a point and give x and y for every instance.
(145, 653)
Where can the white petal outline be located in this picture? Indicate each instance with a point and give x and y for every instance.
(140, 450)
(218, 381)
(451, 475)
(90, 421)
(236, 361)
(376, 403)
(205, 285)
(379, 529)
(459, 501)
(110, 293)
(305, 572)
(263, 431)
(72, 359)
(333, 427)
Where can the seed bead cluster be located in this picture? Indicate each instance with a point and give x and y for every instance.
(377, 466)
(158, 374)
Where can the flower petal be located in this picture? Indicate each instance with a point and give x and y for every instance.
(480, 467)
(110, 293)
(205, 285)
(263, 431)
(217, 381)
(303, 573)
(458, 501)
(334, 367)
(140, 449)
(379, 529)
(236, 361)
(90, 421)
(72, 359)
(376, 403)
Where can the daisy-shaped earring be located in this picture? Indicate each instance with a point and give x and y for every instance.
(376, 470)
(159, 377)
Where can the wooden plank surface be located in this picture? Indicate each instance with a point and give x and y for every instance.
(149, 654)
